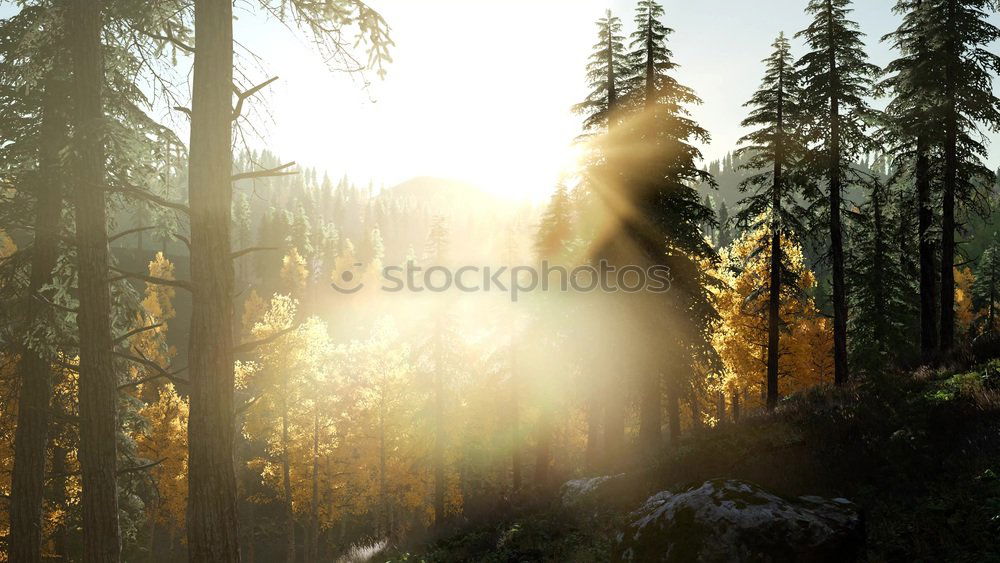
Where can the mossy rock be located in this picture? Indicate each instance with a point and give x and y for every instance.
(727, 520)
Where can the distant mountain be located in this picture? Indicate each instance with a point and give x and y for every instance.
(441, 193)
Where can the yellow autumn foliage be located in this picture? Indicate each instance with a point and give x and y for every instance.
(806, 345)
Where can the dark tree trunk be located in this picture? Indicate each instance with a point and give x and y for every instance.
(59, 499)
(614, 428)
(543, 452)
(383, 489)
(98, 382)
(439, 431)
(515, 431)
(650, 407)
(674, 411)
(313, 550)
(878, 279)
(651, 410)
(774, 286)
(948, 198)
(925, 218)
(34, 369)
(213, 527)
(593, 452)
(286, 480)
(841, 373)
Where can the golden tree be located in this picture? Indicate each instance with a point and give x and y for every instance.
(741, 334)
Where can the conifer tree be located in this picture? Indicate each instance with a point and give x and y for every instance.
(606, 74)
(665, 225)
(773, 152)
(964, 68)
(555, 226)
(725, 236)
(909, 134)
(986, 288)
(879, 292)
(836, 79)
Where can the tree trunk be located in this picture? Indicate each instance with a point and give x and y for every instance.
(774, 286)
(593, 453)
(34, 369)
(674, 411)
(543, 451)
(98, 393)
(313, 549)
(878, 279)
(383, 492)
(650, 407)
(651, 410)
(439, 431)
(614, 427)
(213, 527)
(286, 479)
(841, 373)
(59, 500)
(948, 198)
(515, 431)
(925, 218)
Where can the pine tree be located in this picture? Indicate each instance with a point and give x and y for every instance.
(34, 370)
(773, 152)
(836, 79)
(879, 301)
(961, 31)
(909, 136)
(665, 227)
(556, 226)
(725, 229)
(606, 74)
(986, 288)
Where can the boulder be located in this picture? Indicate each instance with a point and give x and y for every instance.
(592, 492)
(727, 520)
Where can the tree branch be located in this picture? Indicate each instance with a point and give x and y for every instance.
(245, 251)
(153, 198)
(154, 280)
(182, 238)
(144, 361)
(136, 331)
(123, 234)
(242, 96)
(266, 173)
(170, 38)
(142, 467)
(248, 346)
(246, 406)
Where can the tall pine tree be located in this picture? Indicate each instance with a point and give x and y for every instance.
(773, 152)
(961, 32)
(909, 134)
(836, 80)
(664, 225)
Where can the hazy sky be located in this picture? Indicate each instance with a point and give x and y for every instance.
(481, 90)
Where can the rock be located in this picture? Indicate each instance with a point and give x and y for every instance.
(592, 491)
(727, 520)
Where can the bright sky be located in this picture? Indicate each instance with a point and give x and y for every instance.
(481, 90)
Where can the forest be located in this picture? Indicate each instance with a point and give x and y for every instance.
(203, 356)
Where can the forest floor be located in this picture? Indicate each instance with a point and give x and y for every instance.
(919, 453)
